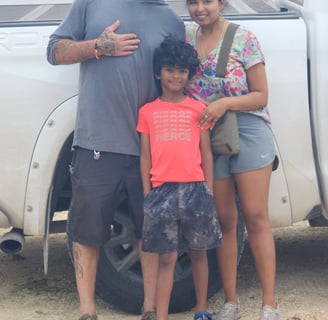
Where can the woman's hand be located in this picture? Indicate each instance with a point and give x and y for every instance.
(256, 98)
(214, 111)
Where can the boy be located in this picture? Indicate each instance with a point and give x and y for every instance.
(177, 176)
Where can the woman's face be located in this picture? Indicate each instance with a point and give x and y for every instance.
(205, 12)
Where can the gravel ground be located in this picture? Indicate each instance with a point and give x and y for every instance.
(302, 281)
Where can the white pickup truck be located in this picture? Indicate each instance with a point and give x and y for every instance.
(37, 114)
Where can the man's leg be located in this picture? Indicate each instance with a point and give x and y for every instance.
(85, 263)
(96, 182)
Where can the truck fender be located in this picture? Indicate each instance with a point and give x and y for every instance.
(280, 212)
(55, 131)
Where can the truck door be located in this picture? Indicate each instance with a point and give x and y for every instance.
(315, 13)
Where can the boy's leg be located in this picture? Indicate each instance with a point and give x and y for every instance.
(149, 265)
(201, 230)
(165, 283)
(148, 260)
(160, 234)
(200, 274)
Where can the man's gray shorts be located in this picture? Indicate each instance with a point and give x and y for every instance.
(176, 212)
(99, 183)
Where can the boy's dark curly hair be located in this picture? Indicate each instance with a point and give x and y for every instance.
(173, 52)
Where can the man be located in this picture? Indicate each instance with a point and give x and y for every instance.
(114, 42)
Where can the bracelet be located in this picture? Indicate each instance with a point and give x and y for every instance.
(97, 54)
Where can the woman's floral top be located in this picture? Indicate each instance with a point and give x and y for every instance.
(245, 52)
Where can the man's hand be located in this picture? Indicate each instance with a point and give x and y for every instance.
(112, 44)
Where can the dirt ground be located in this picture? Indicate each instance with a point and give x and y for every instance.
(302, 281)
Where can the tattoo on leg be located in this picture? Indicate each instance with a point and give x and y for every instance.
(77, 266)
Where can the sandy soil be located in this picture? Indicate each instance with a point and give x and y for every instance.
(302, 281)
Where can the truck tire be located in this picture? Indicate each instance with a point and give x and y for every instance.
(119, 278)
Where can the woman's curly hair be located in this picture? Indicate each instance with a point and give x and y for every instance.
(173, 52)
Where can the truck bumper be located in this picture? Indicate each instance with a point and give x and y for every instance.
(4, 222)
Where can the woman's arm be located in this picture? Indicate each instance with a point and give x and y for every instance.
(145, 163)
(256, 98)
(258, 91)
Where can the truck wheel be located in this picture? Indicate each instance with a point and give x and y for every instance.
(119, 278)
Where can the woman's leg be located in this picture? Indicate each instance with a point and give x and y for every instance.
(165, 283)
(224, 196)
(200, 274)
(253, 191)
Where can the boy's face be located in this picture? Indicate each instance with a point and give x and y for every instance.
(173, 79)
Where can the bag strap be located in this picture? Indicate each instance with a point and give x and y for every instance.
(221, 66)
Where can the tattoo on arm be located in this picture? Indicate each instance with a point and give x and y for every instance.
(69, 51)
(107, 44)
(62, 48)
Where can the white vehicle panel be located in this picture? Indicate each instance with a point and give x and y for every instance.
(35, 92)
(32, 90)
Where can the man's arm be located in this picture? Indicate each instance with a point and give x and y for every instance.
(68, 51)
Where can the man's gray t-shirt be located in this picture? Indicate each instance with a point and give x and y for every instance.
(112, 89)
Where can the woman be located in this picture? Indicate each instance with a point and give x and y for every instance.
(245, 88)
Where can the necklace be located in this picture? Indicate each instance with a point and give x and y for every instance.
(212, 41)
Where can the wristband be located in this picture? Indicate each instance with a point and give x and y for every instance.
(97, 54)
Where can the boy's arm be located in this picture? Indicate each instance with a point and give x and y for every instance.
(145, 163)
(207, 158)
